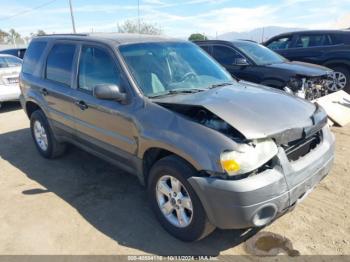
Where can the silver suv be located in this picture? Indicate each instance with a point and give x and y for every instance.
(211, 151)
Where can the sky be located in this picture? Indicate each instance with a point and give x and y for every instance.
(177, 18)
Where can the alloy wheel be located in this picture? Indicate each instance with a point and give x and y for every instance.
(40, 136)
(339, 82)
(174, 201)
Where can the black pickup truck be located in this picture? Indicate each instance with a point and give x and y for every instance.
(330, 48)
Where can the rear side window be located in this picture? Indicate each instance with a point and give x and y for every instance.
(32, 56)
(60, 63)
(281, 43)
(225, 55)
(305, 41)
(96, 67)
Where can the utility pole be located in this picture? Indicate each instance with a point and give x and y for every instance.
(72, 16)
(138, 15)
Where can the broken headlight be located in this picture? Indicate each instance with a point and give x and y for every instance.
(248, 157)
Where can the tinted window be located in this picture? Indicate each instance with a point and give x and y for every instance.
(206, 48)
(280, 43)
(32, 56)
(313, 40)
(96, 67)
(60, 62)
(225, 55)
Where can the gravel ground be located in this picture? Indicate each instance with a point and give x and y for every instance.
(79, 204)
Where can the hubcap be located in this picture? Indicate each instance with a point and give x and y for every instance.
(40, 135)
(339, 82)
(174, 201)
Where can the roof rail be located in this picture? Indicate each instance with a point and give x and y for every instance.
(63, 35)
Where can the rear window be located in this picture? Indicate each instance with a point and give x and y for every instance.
(32, 56)
(60, 63)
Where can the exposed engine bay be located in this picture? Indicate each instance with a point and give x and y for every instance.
(310, 88)
(204, 117)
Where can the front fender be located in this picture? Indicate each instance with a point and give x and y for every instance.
(197, 144)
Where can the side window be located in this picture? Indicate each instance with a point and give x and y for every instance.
(206, 48)
(32, 56)
(305, 41)
(225, 55)
(96, 67)
(60, 63)
(281, 43)
(3, 63)
(13, 61)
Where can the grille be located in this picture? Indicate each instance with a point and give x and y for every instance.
(299, 148)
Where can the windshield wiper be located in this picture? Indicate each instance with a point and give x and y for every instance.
(220, 84)
(178, 91)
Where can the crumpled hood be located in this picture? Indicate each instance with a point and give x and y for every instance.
(302, 69)
(254, 110)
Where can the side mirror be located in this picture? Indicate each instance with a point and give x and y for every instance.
(241, 62)
(109, 92)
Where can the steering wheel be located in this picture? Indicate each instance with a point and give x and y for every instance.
(189, 75)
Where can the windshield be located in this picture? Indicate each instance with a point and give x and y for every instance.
(261, 55)
(163, 68)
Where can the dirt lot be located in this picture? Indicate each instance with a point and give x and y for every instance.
(79, 204)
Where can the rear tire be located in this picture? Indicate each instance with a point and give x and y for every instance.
(342, 72)
(43, 137)
(185, 220)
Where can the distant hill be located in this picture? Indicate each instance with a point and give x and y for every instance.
(257, 34)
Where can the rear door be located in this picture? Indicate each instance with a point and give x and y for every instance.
(103, 125)
(56, 84)
(310, 47)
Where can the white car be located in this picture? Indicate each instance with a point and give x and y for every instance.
(10, 67)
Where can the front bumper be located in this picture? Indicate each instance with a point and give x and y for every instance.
(257, 200)
(9, 92)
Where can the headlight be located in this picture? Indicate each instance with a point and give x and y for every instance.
(248, 157)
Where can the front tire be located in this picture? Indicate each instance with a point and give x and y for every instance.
(174, 201)
(43, 137)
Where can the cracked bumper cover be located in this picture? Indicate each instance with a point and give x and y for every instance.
(235, 203)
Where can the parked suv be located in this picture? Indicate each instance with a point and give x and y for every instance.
(211, 151)
(252, 62)
(330, 48)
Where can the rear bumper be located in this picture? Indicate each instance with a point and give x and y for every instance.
(257, 200)
(9, 92)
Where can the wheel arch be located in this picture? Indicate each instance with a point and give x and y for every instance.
(154, 154)
(31, 107)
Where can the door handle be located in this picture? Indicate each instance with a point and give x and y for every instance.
(44, 92)
(81, 104)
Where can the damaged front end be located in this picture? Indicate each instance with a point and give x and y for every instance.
(310, 88)
(252, 156)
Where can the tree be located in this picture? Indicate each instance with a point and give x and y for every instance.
(3, 36)
(133, 26)
(197, 37)
(14, 37)
(40, 32)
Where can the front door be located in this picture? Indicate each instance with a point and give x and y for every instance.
(103, 125)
